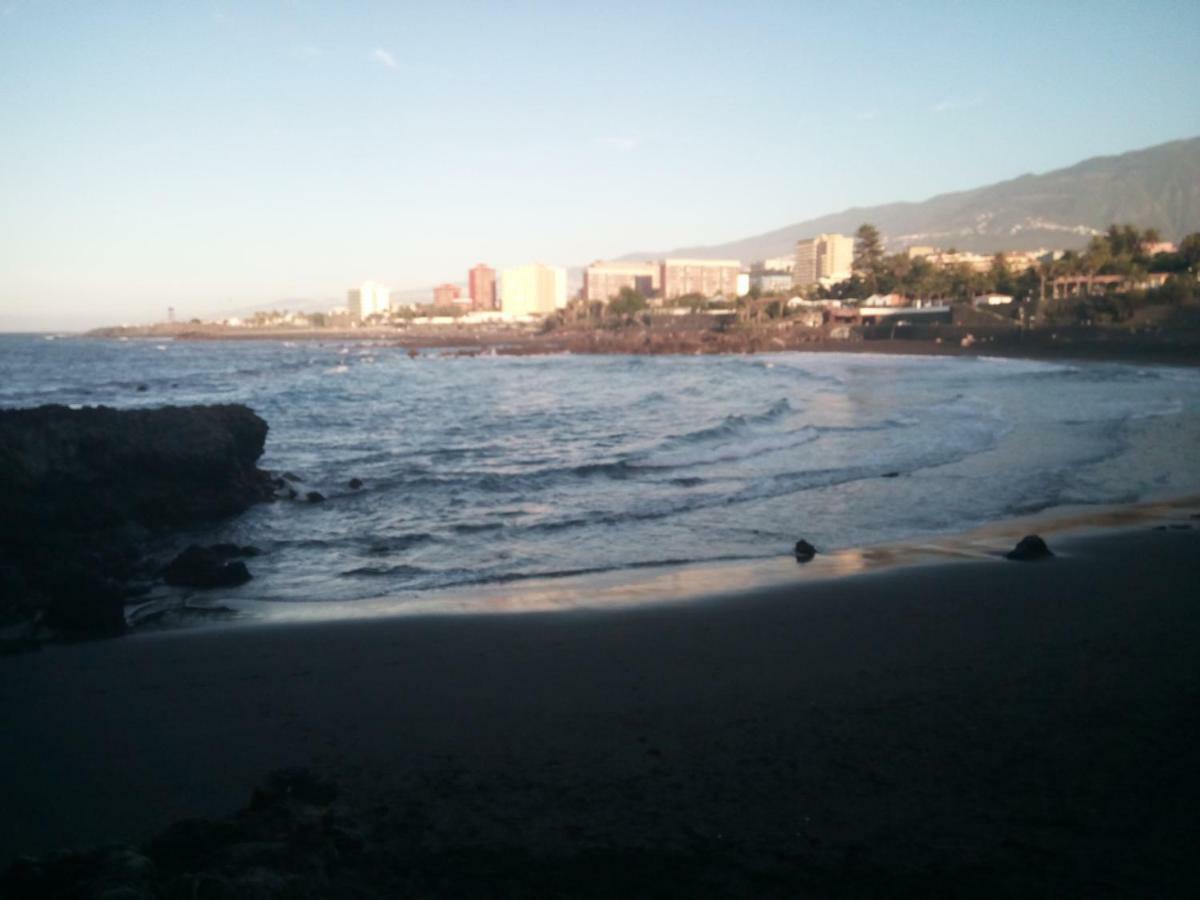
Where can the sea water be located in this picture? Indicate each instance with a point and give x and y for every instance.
(494, 469)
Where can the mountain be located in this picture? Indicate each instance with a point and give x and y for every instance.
(1157, 187)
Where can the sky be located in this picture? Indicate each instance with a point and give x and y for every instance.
(225, 156)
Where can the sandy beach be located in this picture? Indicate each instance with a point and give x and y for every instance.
(973, 728)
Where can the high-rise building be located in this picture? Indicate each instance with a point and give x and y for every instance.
(825, 259)
(533, 290)
(482, 287)
(368, 299)
(445, 294)
(706, 277)
(604, 280)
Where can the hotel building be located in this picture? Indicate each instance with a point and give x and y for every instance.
(368, 299)
(481, 282)
(707, 277)
(825, 259)
(604, 280)
(533, 290)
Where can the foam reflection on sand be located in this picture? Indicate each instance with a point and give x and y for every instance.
(631, 588)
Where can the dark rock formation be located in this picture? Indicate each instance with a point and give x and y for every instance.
(1029, 548)
(83, 489)
(804, 551)
(355, 484)
(206, 567)
(314, 497)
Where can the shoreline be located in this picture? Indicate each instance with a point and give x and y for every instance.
(1082, 344)
(685, 583)
(986, 726)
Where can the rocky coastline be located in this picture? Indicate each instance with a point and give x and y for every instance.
(87, 489)
(701, 336)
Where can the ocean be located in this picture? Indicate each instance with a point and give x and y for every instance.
(494, 470)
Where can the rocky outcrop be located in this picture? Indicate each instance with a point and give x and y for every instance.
(1029, 548)
(85, 488)
(207, 567)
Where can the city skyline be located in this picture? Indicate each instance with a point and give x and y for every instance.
(215, 159)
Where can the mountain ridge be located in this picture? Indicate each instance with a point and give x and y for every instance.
(1152, 187)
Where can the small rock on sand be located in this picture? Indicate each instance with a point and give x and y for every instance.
(1029, 548)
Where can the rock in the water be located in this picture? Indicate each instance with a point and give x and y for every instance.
(804, 551)
(205, 567)
(355, 484)
(314, 497)
(291, 476)
(83, 488)
(1029, 548)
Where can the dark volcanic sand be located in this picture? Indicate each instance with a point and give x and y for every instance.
(973, 729)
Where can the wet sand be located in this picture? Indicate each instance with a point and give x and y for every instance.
(975, 728)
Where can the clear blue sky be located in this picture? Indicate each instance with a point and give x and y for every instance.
(221, 155)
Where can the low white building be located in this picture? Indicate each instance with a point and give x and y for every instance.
(782, 264)
(772, 282)
(992, 300)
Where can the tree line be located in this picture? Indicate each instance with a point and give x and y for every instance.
(1123, 250)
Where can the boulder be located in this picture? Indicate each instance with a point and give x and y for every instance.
(314, 497)
(205, 567)
(355, 484)
(804, 551)
(1029, 548)
(85, 488)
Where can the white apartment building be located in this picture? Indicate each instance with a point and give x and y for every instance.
(368, 299)
(706, 277)
(533, 290)
(604, 280)
(779, 264)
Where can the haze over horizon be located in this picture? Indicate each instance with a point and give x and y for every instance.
(214, 157)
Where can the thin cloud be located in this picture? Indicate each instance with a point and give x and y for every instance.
(620, 143)
(955, 105)
(384, 58)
